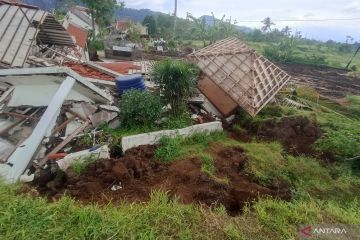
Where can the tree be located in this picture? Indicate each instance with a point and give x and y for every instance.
(150, 23)
(165, 25)
(349, 39)
(267, 24)
(201, 28)
(102, 11)
(286, 31)
(177, 82)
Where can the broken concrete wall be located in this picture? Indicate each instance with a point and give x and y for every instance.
(154, 137)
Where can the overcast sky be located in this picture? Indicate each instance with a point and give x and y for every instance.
(277, 10)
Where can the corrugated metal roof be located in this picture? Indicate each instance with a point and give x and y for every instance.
(19, 28)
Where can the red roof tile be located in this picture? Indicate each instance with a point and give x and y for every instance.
(79, 33)
(89, 72)
(119, 67)
(121, 25)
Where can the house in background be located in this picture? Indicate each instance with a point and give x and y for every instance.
(80, 37)
(123, 25)
(79, 16)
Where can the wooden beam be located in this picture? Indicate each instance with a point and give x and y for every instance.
(64, 142)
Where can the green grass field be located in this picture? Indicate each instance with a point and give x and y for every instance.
(332, 57)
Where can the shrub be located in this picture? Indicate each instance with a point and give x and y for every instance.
(139, 108)
(177, 82)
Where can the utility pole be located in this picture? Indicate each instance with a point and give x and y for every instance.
(175, 18)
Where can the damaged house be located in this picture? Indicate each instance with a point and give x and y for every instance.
(27, 32)
(42, 111)
(235, 75)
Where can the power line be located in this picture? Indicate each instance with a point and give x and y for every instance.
(304, 20)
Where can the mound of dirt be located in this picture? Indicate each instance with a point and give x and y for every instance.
(134, 176)
(297, 133)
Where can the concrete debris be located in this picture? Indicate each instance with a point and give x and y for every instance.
(42, 111)
(117, 187)
(154, 137)
(98, 152)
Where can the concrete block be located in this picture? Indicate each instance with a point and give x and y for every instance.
(154, 137)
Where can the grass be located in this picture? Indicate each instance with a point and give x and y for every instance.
(207, 164)
(307, 177)
(172, 149)
(265, 162)
(311, 54)
(24, 217)
(169, 149)
(342, 131)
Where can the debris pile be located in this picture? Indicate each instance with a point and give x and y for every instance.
(42, 111)
(21, 28)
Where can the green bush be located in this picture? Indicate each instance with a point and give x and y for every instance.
(96, 45)
(138, 108)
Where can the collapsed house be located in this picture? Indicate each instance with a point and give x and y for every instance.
(26, 32)
(235, 75)
(42, 111)
(80, 16)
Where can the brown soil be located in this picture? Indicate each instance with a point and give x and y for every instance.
(138, 175)
(330, 82)
(296, 133)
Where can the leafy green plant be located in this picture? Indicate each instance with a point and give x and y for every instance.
(96, 45)
(80, 166)
(177, 82)
(139, 108)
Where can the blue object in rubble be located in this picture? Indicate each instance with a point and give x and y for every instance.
(127, 82)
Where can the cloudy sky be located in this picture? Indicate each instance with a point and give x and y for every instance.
(276, 9)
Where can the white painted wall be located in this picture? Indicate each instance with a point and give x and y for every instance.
(154, 137)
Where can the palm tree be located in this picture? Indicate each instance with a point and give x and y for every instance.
(267, 24)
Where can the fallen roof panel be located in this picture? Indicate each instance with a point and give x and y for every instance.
(83, 86)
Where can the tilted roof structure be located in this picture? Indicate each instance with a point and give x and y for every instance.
(248, 78)
(21, 26)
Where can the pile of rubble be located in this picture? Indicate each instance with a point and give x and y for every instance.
(42, 111)
(50, 93)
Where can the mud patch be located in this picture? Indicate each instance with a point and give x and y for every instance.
(136, 174)
(297, 134)
(330, 82)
